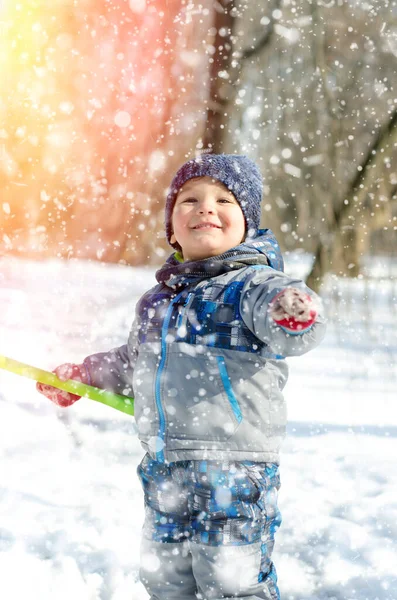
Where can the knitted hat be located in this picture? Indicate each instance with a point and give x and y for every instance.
(238, 173)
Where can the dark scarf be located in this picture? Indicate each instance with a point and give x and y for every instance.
(262, 250)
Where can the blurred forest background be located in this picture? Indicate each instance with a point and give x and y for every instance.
(101, 101)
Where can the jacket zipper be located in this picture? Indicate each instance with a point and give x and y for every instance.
(164, 331)
(182, 314)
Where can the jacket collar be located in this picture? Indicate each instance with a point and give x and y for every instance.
(262, 250)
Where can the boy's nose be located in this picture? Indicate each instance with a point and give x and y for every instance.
(206, 208)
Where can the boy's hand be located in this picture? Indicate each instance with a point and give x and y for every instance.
(64, 373)
(293, 310)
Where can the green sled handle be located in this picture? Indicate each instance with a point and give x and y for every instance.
(122, 403)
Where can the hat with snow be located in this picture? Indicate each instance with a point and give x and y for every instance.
(237, 172)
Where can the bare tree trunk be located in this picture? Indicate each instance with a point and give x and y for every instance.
(226, 67)
(219, 74)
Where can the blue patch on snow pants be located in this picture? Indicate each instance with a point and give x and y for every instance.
(209, 529)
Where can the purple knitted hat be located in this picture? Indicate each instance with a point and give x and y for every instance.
(237, 172)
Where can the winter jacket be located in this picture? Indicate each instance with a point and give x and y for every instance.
(204, 360)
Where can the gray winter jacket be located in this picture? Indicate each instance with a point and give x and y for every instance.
(205, 362)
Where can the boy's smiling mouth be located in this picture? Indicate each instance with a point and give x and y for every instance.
(206, 226)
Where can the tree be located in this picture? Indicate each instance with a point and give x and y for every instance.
(313, 103)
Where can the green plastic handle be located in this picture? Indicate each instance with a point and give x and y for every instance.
(123, 403)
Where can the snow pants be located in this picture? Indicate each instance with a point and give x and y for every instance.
(209, 529)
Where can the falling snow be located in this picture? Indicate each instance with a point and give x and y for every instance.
(100, 102)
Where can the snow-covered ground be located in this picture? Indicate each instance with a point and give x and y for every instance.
(71, 507)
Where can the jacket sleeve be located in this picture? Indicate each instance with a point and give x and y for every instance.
(113, 370)
(261, 286)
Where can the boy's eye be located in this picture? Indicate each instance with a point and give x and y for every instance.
(192, 200)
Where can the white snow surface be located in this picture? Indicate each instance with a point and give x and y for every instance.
(71, 506)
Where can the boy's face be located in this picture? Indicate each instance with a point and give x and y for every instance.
(207, 219)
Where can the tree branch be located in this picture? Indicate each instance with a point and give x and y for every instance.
(366, 175)
(368, 170)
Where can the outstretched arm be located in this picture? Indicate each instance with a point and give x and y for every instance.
(282, 312)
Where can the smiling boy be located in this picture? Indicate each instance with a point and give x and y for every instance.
(205, 361)
(207, 220)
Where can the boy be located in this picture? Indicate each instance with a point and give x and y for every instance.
(205, 364)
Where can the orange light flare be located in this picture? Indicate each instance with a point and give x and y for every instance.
(85, 86)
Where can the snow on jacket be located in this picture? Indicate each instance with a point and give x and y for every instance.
(204, 360)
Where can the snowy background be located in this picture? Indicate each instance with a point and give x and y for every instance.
(71, 507)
